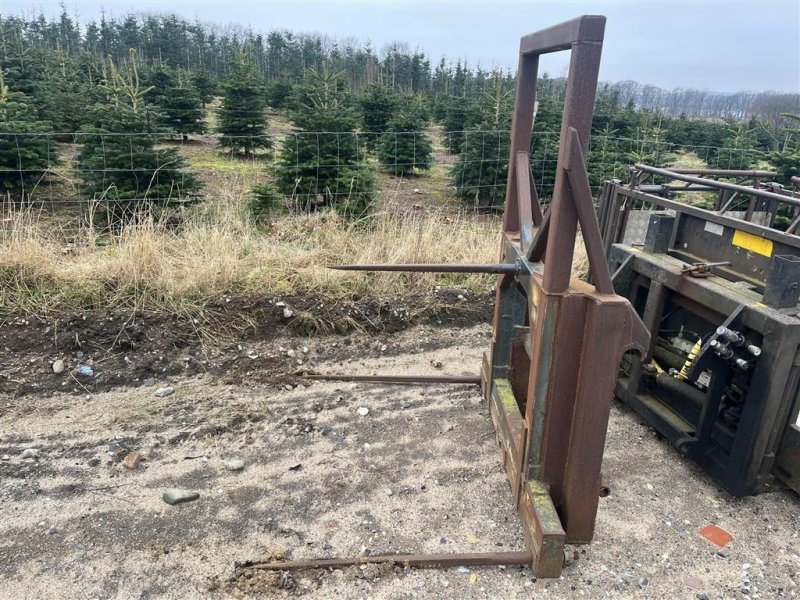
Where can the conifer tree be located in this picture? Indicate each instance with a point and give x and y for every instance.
(404, 148)
(241, 117)
(178, 104)
(61, 95)
(204, 85)
(26, 153)
(324, 164)
(120, 162)
(481, 172)
(378, 105)
(461, 114)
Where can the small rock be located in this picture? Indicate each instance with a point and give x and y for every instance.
(132, 460)
(234, 464)
(29, 453)
(93, 462)
(437, 364)
(174, 496)
(693, 582)
(288, 313)
(290, 353)
(52, 530)
(643, 582)
(146, 453)
(701, 596)
(288, 387)
(462, 570)
(163, 392)
(149, 381)
(83, 371)
(296, 467)
(5, 457)
(389, 492)
(326, 546)
(59, 366)
(117, 448)
(363, 411)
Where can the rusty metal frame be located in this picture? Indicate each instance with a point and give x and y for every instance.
(557, 342)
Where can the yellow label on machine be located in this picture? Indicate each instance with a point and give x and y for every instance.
(751, 242)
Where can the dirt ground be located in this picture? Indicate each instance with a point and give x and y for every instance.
(420, 472)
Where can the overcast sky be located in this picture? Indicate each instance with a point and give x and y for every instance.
(713, 45)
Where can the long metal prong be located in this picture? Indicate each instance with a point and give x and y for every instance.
(404, 560)
(493, 268)
(476, 379)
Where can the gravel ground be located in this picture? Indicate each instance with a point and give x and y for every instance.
(419, 473)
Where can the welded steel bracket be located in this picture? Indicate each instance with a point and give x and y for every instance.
(557, 341)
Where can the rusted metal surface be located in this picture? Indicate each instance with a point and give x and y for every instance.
(401, 560)
(549, 375)
(701, 269)
(722, 185)
(469, 379)
(750, 174)
(434, 268)
(576, 332)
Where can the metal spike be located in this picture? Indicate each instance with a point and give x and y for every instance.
(405, 560)
(470, 379)
(497, 268)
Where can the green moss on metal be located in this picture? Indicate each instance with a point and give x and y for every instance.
(505, 394)
(543, 506)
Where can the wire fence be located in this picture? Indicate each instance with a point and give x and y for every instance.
(309, 169)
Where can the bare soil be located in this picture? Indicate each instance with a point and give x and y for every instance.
(126, 348)
(419, 473)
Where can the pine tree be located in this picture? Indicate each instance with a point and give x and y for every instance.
(481, 172)
(178, 104)
(120, 162)
(61, 96)
(462, 113)
(404, 148)
(278, 94)
(241, 117)
(378, 105)
(205, 86)
(26, 152)
(324, 164)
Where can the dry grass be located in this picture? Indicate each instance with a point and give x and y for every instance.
(218, 252)
(177, 270)
(50, 263)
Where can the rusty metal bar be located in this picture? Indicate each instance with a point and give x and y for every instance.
(725, 172)
(523, 557)
(496, 268)
(582, 197)
(588, 28)
(578, 110)
(656, 188)
(723, 185)
(476, 379)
